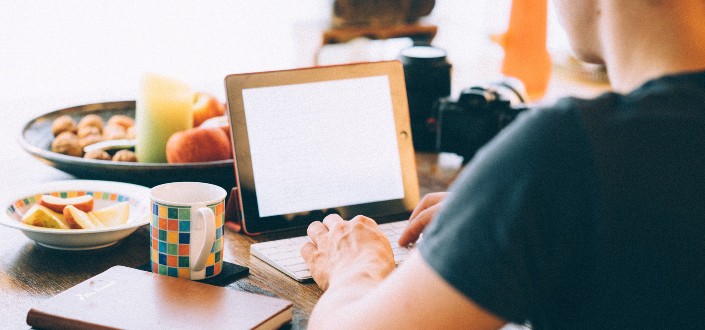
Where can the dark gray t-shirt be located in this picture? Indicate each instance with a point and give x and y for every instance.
(588, 214)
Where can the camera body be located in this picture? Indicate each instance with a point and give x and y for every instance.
(480, 112)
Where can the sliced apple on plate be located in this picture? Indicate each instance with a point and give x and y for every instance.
(57, 204)
(41, 216)
(113, 215)
(78, 219)
(73, 216)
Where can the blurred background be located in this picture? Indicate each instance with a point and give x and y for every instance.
(59, 54)
(79, 51)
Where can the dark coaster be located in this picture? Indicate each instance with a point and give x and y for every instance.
(229, 274)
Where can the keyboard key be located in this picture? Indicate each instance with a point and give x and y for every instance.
(291, 261)
(298, 267)
(306, 274)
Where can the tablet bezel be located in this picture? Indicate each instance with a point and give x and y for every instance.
(251, 222)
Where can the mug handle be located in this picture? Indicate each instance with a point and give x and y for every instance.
(208, 218)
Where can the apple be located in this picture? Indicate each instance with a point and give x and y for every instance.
(42, 216)
(78, 219)
(198, 145)
(113, 215)
(220, 121)
(205, 106)
(57, 204)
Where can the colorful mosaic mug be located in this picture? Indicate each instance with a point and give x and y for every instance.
(186, 229)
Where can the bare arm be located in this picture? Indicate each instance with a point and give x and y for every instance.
(362, 292)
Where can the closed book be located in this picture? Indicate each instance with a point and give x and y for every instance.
(127, 298)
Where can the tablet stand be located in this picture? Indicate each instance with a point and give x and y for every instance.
(232, 212)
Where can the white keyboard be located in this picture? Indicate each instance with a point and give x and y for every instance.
(285, 254)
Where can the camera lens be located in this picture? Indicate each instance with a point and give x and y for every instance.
(427, 75)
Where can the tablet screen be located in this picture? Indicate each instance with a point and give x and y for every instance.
(322, 144)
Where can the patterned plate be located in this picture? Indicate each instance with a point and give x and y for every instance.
(105, 193)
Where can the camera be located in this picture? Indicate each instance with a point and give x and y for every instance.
(462, 126)
(480, 112)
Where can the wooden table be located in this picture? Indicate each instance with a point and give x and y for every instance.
(30, 273)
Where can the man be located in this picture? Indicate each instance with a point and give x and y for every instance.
(587, 214)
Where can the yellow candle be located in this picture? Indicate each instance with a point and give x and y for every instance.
(163, 108)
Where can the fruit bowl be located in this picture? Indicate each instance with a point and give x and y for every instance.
(36, 139)
(105, 193)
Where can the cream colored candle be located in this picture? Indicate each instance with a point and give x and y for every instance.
(163, 108)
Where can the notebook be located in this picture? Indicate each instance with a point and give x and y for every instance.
(315, 141)
(127, 298)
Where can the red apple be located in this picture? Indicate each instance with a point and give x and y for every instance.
(198, 145)
(57, 204)
(77, 219)
(205, 106)
(220, 121)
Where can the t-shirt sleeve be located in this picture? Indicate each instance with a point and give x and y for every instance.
(495, 226)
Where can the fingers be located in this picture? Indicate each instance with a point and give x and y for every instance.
(363, 220)
(331, 219)
(315, 230)
(421, 217)
(426, 202)
(412, 232)
(319, 273)
(307, 251)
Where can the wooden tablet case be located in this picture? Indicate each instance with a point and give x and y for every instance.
(242, 212)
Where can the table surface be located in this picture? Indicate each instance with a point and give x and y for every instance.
(60, 55)
(30, 273)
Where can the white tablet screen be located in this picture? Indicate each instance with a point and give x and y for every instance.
(323, 145)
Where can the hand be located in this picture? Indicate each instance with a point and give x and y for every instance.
(421, 217)
(347, 251)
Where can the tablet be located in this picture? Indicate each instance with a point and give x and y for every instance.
(315, 141)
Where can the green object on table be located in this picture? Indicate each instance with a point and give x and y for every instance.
(163, 108)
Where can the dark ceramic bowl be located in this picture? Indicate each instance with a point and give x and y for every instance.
(36, 139)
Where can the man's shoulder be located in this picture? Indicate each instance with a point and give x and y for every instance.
(541, 130)
(575, 109)
(682, 89)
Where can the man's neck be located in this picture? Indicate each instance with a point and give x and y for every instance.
(643, 42)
